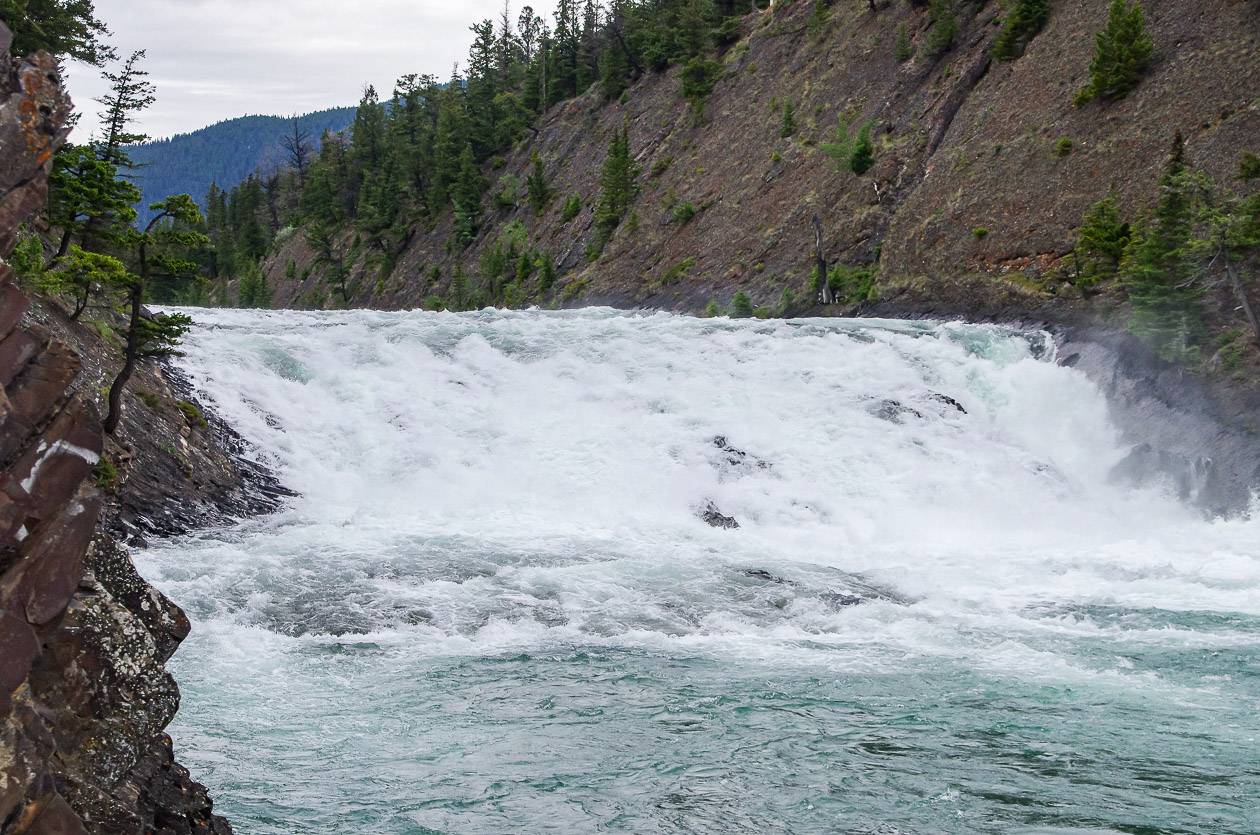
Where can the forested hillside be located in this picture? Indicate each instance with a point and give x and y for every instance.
(224, 153)
(1023, 158)
(1058, 159)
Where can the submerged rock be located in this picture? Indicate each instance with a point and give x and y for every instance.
(714, 518)
(737, 458)
(857, 590)
(894, 411)
(947, 400)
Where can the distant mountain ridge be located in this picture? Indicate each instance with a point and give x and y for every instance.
(224, 153)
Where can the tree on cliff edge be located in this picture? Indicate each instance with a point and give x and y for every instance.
(66, 28)
(160, 252)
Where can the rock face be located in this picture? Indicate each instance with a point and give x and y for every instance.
(84, 697)
(963, 143)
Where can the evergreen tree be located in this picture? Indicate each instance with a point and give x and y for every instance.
(944, 29)
(546, 273)
(66, 28)
(84, 189)
(903, 49)
(1102, 241)
(862, 156)
(699, 76)
(160, 252)
(466, 193)
(253, 291)
(787, 126)
(855, 153)
(741, 306)
(482, 88)
(82, 274)
(367, 134)
(536, 184)
(297, 148)
(1022, 24)
(450, 139)
(618, 187)
(1121, 56)
(130, 92)
(1156, 270)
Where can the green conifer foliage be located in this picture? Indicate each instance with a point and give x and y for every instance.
(536, 184)
(1121, 56)
(618, 188)
(787, 126)
(862, 157)
(1102, 241)
(741, 306)
(66, 28)
(1157, 268)
(466, 197)
(1022, 24)
(857, 153)
(903, 49)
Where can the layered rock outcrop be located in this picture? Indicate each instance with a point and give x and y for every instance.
(84, 697)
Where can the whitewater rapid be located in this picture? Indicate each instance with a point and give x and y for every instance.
(493, 605)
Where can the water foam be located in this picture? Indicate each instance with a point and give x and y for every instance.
(504, 485)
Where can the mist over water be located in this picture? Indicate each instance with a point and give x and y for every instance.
(493, 605)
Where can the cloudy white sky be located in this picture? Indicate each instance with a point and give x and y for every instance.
(216, 59)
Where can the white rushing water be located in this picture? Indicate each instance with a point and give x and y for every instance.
(493, 606)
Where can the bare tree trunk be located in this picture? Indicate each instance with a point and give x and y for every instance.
(1241, 292)
(81, 303)
(129, 366)
(820, 264)
(63, 247)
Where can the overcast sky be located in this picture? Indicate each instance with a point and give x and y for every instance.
(216, 59)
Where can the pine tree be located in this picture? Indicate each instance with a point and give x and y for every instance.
(787, 126)
(944, 27)
(466, 193)
(536, 184)
(741, 306)
(481, 91)
(253, 291)
(618, 188)
(87, 190)
(1101, 242)
(66, 28)
(84, 273)
(450, 139)
(862, 157)
(546, 273)
(130, 92)
(1121, 56)
(855, 153)
(903, 49)
(160, 253)
(1156, 270)
(1022, 24)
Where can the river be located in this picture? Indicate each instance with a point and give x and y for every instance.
(493, 605)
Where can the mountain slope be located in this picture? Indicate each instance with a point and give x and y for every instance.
(224, 153)
(970, 198)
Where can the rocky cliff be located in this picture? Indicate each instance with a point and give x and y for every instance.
(84, 696)
(963, 143)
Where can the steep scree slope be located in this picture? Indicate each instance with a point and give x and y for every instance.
(963, 142)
